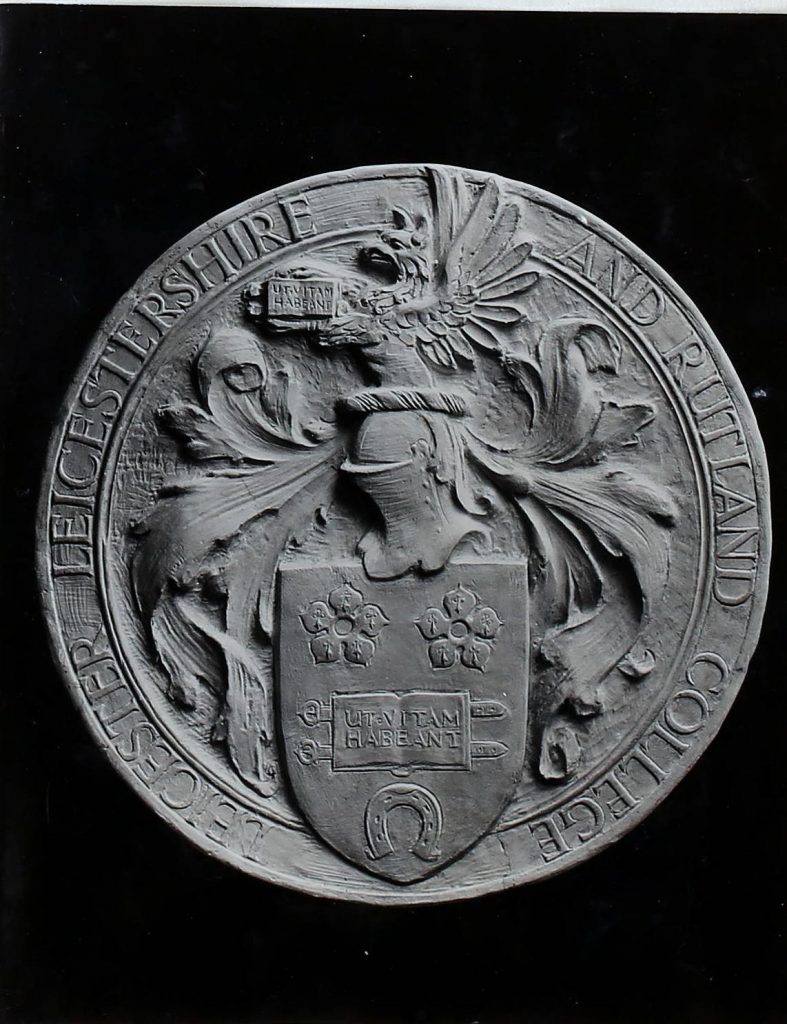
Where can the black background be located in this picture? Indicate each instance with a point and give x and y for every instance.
(124, 129)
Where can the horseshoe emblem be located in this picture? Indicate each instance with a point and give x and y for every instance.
(418, 799)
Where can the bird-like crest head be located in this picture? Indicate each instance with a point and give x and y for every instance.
(401, 250)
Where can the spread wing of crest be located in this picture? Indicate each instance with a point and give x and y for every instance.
(479, 278)
(205, 564)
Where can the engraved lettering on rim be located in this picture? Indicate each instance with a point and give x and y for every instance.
(406, 535)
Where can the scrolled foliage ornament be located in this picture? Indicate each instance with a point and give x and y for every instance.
(407, 536)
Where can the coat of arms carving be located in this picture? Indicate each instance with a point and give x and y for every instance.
(416, 535)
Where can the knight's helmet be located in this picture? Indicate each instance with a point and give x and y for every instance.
(408, 458)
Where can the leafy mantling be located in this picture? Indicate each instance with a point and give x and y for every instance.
(595, 523)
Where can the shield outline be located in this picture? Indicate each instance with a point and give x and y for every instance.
(338, 802)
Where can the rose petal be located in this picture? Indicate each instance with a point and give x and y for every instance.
(433, 623)
(459, 602)
(325, 649)
(345, 599)
(358, 650)
(475, 654)
(442, 654)
(316, 617)
(485, 622)
(371, 619)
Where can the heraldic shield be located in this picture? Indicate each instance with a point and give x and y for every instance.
(403, 707)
